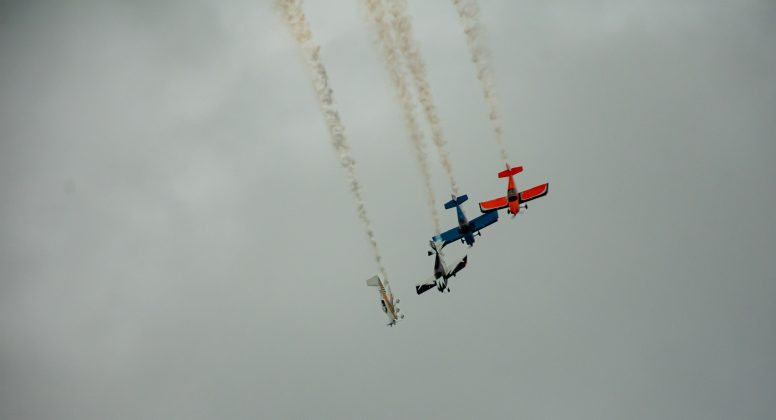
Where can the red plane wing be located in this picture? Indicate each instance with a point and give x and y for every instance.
(495, 204)
(533, 193)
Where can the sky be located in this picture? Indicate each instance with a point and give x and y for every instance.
(177, 239)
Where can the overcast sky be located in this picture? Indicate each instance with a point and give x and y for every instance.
(177, 240)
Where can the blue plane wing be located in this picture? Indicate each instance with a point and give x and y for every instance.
(449, 236)
(483, 221)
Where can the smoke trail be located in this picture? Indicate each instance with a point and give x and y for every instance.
(402, 27)
(391, 58)
(470, 18)
(297, 22)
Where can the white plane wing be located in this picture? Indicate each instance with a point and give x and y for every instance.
(427, 285)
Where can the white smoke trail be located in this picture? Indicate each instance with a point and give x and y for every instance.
(402, 26)
(391, 57)
(469, 12)
(297, 22)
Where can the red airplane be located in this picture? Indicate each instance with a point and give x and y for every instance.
(514, 199)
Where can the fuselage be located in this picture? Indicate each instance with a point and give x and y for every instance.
(463, 227)
(513, 197)
(388, 307)
(440, 272)
(387, 303)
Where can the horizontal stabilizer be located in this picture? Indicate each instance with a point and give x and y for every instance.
(456, 201)
(510, 171)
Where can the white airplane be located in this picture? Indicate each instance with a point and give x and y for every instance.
(386, 300)
(441, 273)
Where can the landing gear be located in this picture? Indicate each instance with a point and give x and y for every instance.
(448, 290)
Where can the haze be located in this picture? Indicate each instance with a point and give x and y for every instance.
(178, 241)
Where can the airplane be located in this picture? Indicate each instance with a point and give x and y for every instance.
(386, 300)
(514, 199)
(441, 273)
(466, 229)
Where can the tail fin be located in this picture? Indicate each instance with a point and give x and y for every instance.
(374, 281)
(510, 171)
(456, 201)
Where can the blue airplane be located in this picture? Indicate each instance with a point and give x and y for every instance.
(466, 229)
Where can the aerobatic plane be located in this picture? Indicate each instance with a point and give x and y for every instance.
(386, 300)
(466, 229)
(514, 200)
(441, 273)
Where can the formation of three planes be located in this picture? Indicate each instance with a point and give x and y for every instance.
(513, 201)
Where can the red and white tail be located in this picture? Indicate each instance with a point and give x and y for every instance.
(510, 171)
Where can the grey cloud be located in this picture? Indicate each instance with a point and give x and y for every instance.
(177, 239)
